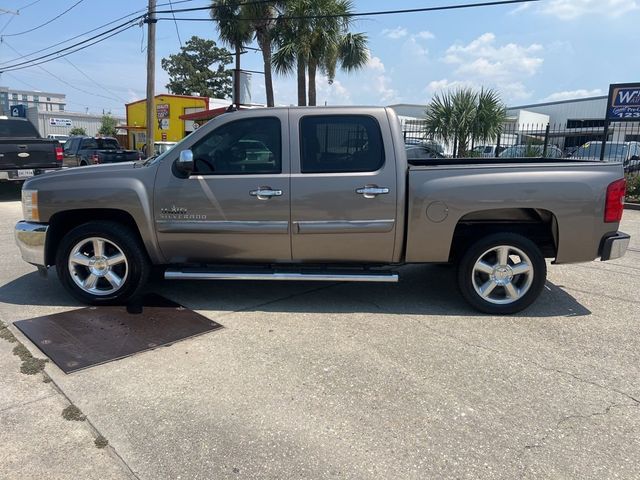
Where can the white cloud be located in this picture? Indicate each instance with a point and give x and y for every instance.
(395, 33)
(483, 58)
(380, 83)
(424, 35)
(442, 85)
(570, 9)
(572, 94)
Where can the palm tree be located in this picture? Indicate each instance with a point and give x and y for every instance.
(464, 116)
(325, 43)
(238, 23)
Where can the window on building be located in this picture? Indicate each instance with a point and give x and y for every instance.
(48, 99)
(25, 97)
(61, 108)
(14, 96)
(36, 98)
(345, 143)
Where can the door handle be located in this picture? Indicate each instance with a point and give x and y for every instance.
(372, 191)
(265, 193)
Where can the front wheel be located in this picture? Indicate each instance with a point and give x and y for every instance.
(102, 263)
(502, 273)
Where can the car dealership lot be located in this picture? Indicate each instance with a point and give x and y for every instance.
(341, 381)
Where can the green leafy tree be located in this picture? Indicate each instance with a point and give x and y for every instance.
(314, 35)
(78, 131)
(240, 22)
(200, 68)
(108, 126)
(464, 117)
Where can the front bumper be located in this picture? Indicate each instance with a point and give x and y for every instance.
(614, 246)
(31, 239)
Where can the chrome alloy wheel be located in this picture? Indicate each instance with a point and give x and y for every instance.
(98, 266)
(502, 274)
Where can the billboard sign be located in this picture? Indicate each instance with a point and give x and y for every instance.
(624, 102)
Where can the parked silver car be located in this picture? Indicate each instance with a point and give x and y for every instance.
(626, 152)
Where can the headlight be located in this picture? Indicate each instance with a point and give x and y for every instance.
(30, 205)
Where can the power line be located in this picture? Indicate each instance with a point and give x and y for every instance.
(176, 24)
(77, 36)
(348, 15)
(57, 54)
(47, 22)
(95, 82)
(64, 81)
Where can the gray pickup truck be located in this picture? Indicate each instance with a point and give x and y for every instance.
(323, 194)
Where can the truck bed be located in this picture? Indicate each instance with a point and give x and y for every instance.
(569, 193)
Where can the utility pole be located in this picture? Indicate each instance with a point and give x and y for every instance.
(236, 78)
(151, 75)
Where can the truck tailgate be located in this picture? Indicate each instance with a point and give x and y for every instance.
(28, 153)
(117, 156)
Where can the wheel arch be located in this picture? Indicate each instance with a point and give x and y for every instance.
(63, 222)
(539, 225)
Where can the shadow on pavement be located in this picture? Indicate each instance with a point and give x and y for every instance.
(10, 191)
(423, 290)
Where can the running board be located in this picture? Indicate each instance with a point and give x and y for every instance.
(384, 277)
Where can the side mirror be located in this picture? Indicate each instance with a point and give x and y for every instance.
(185, 164)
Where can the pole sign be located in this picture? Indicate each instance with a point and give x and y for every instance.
(624, 102)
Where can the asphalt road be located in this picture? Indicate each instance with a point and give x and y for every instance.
(357, 381)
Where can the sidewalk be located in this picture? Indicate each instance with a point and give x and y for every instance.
(37, 441)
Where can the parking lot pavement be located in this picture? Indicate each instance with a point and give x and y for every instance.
(362, 381)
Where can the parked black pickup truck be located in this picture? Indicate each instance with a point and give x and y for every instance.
(23, 153)
(81, 151)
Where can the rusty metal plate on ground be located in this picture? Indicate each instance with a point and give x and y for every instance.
(91, 336)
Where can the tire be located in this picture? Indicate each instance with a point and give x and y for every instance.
(497, 288)
(116, 274)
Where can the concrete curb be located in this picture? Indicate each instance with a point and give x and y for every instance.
(632, 206)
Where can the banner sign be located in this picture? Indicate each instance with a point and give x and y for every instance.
(60, 122)
(162, 110)
(624, 102)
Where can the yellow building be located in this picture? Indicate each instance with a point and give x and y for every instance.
(169, 127)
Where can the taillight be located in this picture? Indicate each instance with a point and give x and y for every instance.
(614, 205)
(59, 154)
(95, 159)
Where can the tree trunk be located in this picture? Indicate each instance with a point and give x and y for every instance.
(302, 83)
(312, 82)
(265, 46)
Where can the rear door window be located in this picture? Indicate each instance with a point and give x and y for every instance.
(340, 143)
(17, 128)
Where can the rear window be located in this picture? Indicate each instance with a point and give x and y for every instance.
(17, 128)
(100, 144)
(340, 143)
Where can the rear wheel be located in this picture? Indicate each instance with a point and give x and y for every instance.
(502, 273)
(102, 263)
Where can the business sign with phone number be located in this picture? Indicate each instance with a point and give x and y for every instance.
(624, 102)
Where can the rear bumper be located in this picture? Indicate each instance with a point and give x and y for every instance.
(614, 246)
(31, 239)
(13, 176)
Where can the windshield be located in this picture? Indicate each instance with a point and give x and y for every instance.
(594, 149)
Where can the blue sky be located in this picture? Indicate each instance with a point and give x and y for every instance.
(549, 50)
